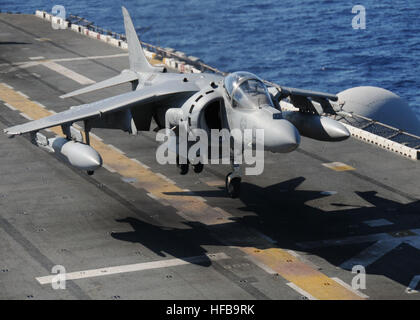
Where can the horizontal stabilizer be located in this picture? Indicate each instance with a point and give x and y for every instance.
(123, 77)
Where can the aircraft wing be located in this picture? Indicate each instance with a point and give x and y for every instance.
(302, 99)
(97, 108)
(286, 91)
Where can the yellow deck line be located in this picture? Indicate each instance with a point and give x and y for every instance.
(305, 277)
(194, 208)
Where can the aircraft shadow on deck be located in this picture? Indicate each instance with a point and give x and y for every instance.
(282, 212)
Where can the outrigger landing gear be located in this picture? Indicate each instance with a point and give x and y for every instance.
(233, 182)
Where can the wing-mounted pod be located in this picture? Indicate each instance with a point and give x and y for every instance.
(71, 150)
(317, 127)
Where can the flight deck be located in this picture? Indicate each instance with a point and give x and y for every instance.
(139, 230)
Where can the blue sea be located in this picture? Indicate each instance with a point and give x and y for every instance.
(308, 44)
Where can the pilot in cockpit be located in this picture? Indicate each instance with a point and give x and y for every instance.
(247, 91)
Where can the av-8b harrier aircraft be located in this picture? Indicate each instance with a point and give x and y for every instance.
(239, 100)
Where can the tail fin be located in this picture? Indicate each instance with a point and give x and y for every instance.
(138, 61)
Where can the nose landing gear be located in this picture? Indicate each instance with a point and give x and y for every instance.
(233, 182)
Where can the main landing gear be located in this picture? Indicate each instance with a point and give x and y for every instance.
(184, 167)
(232, 181)
(198, 168)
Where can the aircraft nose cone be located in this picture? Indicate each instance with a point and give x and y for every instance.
(281, 137)
(93, 160)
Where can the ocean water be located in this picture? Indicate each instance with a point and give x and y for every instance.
(308, 44)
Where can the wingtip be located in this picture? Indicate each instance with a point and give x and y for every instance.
(10, 134)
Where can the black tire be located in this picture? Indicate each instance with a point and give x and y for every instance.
(90, 172)
(183, 168)
(198, 168)
(234, 187)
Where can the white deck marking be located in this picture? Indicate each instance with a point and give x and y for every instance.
(384, 243)
(328, 193)
(67, 72)
(151, 195)
(258, 263)
(348, 287)
(22, 94)
(6, 85)
(116, 149)
(25, 64)
(9, 106)
(108, 168)
(135, 267)
(413, 285)
(36, 58)
(91, 57)
(262, 235)
(412, 235)
(378, 223)
(40, 104)
(301, 291)
(140, 163)
(414, 242)
(343, 241)
(95, 136)
(26, 116)
(293, 253)
(165, 178)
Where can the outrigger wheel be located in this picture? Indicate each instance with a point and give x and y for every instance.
(233, 185)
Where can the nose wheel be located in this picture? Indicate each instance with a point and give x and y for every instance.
(233, 185)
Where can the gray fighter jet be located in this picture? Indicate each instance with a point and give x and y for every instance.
(205, 101)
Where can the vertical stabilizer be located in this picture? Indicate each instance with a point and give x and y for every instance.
(138, 61)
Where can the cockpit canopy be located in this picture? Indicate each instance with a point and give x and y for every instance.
(246, 91)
